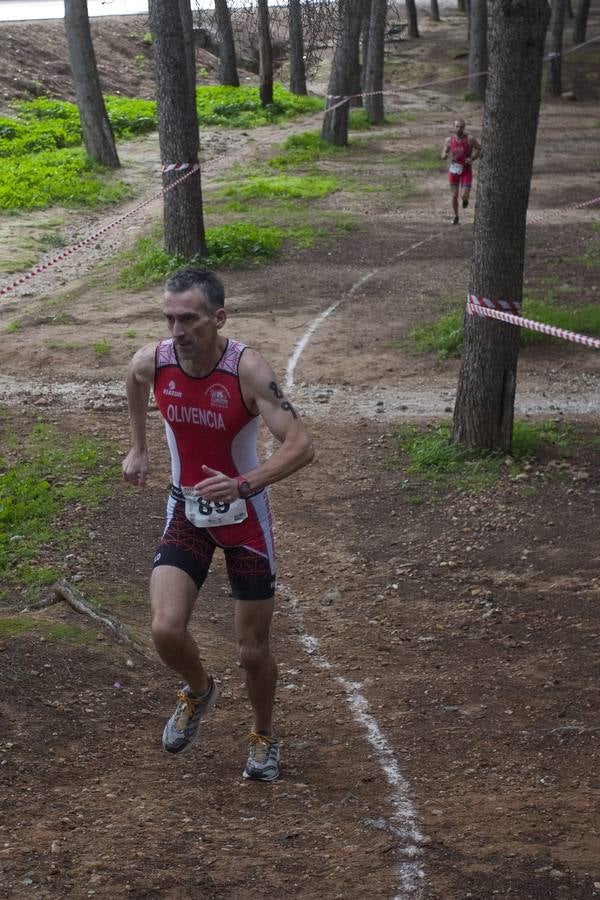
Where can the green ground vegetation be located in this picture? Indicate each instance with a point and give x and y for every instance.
(280, 203)
(44, 163)
(41, 481)
(430, 455)
(444, 335)
(12, 626)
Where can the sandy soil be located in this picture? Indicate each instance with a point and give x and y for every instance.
(439, 649)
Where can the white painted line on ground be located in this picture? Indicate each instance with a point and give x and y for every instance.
(403, 823)
(301, 344)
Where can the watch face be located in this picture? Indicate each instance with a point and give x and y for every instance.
(244, 489)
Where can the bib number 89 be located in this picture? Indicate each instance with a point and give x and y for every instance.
(206, 507)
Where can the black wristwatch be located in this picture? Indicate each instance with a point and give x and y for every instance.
(244, 489)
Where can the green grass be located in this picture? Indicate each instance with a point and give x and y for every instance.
(432, 457)
(13, 626)
(237, 245)
(281, 186)
(57, 177)
(444, 336)
(241, 107)
(421, 161)
(51, 475)
(101, 347)
(45, 165)
(303, 150)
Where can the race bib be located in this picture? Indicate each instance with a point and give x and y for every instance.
(212, 513)
(456, 168)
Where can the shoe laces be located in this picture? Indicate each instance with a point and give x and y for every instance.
(188, 705)
(259, 746)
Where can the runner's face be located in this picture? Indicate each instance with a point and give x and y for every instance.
(192, 326)
(459, 128)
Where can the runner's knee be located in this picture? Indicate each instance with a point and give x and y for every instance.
(253, 652)
(168, 636)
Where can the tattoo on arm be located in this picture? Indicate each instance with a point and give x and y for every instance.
(286, 404)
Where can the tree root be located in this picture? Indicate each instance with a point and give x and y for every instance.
(62, 591)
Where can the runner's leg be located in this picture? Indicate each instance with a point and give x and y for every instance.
(172, 596)
(252, 630)
(454, 194)
(465, 190)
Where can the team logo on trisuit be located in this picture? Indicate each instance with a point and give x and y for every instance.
(170, 390)
(219, 395)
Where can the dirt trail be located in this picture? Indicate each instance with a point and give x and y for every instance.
(438, 648)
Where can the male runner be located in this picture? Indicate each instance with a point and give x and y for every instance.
(462, 148)
(211, 392)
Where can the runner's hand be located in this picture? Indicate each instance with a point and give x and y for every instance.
(135, 467)
(217, 486)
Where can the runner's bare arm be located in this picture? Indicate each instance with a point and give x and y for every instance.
(140, 376)
(475, 148)
(446, 149)
(263, 394)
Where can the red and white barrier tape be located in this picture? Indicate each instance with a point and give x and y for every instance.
(37, 270)
(509, 306)
(481, 306)
(177, 167)
(341, 98)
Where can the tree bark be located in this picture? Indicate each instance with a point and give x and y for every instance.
(478, 57)
(177, 131)
(484, 409)
(228, 73)
(374, 62)
(335, 123)
(265, 54)
(435, 11)
(411, 15)
(557, 24)
(581, 18)
(98, 137)
(297, 67)
(189, 48)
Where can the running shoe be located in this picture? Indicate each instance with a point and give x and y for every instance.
(263, 758)
(182, 730)
(455, 220)
(465, 202)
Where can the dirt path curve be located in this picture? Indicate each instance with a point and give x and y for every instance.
(436, 696)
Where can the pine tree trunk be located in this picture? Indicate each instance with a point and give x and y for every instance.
(435, 11)
(411, 15)
(297, 67)
(557, 24)
(478, 58)
(364, 42)
(265, 54)
(228, 73)
(177, 131)
(484, 410)
(374, 62)
(98, 137)
(335, 124)
(581, 18)
(187, 22)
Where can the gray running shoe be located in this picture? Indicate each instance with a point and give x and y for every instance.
(263, 758)
(182, 730)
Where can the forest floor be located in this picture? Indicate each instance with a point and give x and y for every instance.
(438, 646)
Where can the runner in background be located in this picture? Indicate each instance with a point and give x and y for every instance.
(463, 149)
(212, 392)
